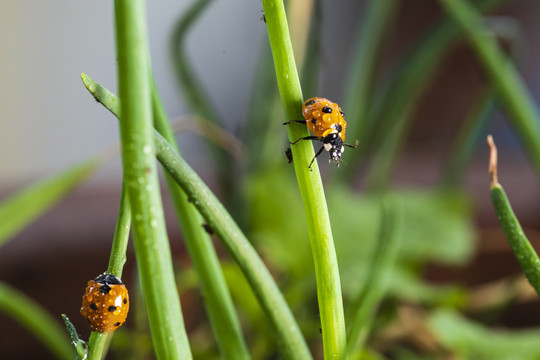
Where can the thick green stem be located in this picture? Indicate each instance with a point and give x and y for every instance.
(310, 184)
(140, 175)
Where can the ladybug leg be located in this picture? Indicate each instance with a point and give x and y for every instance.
(296, 121)
(352, 146)
(305, 138)
(317, 154)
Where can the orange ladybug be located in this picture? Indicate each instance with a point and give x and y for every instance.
(105, 303)
(326, 121)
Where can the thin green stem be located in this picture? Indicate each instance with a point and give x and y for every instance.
(217, 298)
(276, 309)
(510, 88)
(310, 184)
(522, 248)
(97, 344)
(380, 269)
(36, 320)
(117, 258)
(140, 175)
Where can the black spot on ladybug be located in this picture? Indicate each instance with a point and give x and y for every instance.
(117, 323)
(93, 306)
(105, 289)
(111, 308)
(327, 110)
(208, 229)
(310, 102)
(125, 301)
(313, 121)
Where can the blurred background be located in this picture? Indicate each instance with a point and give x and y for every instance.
(48, 122)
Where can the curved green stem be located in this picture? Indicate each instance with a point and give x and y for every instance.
(140, 175)
(310, 184)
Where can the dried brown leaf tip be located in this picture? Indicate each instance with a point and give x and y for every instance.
(492, 161)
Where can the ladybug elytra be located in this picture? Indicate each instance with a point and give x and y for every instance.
(326, 121)
(105, 303)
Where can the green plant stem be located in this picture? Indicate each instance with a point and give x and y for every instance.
(380, 269)
(505, 79)
(117, 258)
(36, 320)
(522, 248)
(98, 341)
(272, 302)
(140, 175)
(216, 295)
(310, 184)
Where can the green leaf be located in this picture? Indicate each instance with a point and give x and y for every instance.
(36, 320)
(438, 227)
(23, 207)
(79, 346)
(471, 340)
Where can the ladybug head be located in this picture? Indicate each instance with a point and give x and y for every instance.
(334, 145)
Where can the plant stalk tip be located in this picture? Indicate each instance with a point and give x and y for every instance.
(89, 83)
(492, 161)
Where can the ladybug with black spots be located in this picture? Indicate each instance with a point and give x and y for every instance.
(326, 121)
(105, 303)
